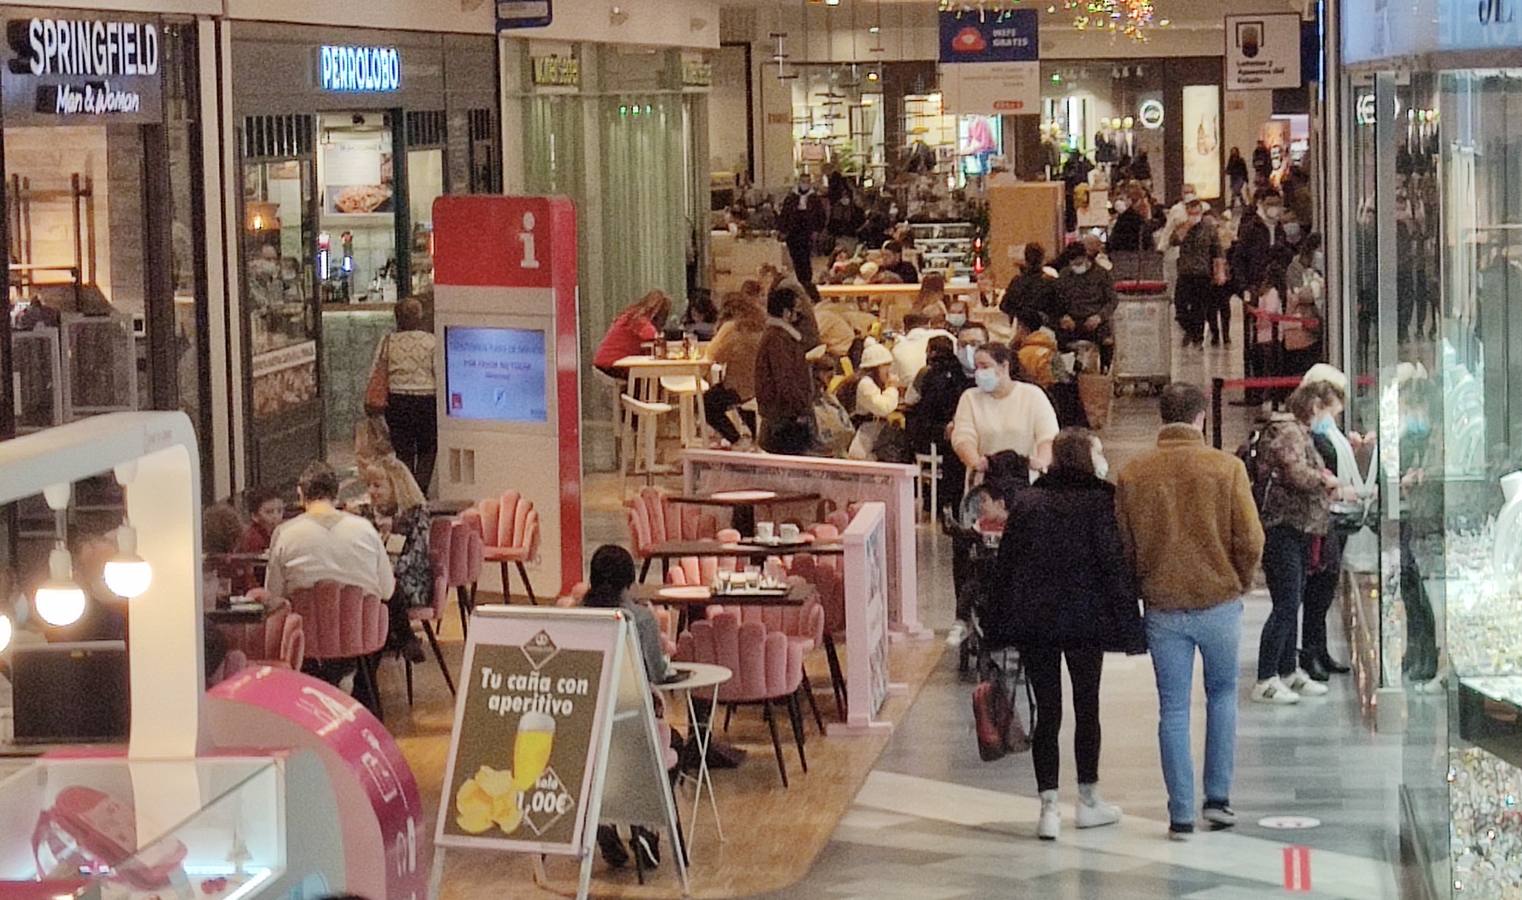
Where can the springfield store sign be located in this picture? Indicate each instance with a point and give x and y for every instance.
(70, 70)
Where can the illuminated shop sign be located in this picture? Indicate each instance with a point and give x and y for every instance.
(70, 69)
(359, 70)
(1152, 114)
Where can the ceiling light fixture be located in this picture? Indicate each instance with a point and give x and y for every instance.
(59, 601)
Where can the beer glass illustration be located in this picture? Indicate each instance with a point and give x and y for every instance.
(531, 748)
(1250, 38)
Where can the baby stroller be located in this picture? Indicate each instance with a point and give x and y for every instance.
(975, 551)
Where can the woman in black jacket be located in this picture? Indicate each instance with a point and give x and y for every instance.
(1067, 592)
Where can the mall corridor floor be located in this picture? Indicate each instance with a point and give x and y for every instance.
(933, 822)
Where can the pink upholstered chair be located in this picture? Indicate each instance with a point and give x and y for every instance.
(824, 574)
(441, 532)
(767, 667)
(343, 622)
(653, 518)
(466, 555)
(279, 640)
(804, 628)
(510, 534)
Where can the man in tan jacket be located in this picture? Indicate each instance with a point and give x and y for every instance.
(1192, 534)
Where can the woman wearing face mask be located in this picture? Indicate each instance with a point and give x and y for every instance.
(1067, 593)
(1199, 247)
(1000, 414)
(1337, 454)
(1295, 491)
(956, 315)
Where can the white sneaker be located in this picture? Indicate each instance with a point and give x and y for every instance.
(1274, 691)
(1050, 823)
(957, 634)
(1305, 685)
(1092, 811)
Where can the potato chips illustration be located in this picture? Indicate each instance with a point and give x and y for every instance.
(488, 798)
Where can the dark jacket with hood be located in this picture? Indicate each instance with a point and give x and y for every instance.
(1063, 581)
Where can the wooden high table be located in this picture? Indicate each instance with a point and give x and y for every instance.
(892, 290)
(645, 374)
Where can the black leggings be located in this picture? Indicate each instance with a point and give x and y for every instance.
(719, 400)
(1320, 594)
(1043, 668)
(414, 423)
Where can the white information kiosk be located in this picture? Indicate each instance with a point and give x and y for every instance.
(509, 396)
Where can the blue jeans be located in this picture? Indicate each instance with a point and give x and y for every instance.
(1172, 638)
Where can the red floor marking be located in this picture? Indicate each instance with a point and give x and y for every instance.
(1297, 868)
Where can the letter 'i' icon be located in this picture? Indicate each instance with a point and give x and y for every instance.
(526, 238)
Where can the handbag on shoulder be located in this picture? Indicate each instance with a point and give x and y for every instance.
(378, 389)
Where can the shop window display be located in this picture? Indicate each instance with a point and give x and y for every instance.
(1435, 189)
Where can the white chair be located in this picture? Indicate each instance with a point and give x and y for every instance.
(687, 391)
(641, 425)
(930, 470)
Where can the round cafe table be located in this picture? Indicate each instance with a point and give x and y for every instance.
(697, 676)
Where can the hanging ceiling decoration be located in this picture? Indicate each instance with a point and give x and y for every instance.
(1131, 18)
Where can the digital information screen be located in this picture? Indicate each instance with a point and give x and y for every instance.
(495, 374)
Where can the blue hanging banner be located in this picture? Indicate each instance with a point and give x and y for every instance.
(973, 36)
(523, 14)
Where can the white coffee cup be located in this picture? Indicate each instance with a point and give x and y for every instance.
(788, 531)
(765, 531)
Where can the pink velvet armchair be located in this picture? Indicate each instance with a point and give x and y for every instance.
(279, 640)
(510, 534)
(767, 667)
(467, 552)
(653, 518)
(441, 533)
(342, 622)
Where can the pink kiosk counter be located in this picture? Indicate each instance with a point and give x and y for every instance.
(271, 785)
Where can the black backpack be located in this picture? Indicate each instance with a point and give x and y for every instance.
(1259, 473)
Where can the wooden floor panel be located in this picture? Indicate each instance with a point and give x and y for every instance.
(772, 834)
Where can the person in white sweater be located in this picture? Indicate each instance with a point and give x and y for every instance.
(1002, 414)
(876, 398)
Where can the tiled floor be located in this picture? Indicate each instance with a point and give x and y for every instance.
(932, 821)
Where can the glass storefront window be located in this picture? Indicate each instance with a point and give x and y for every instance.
(277, 233)
(355, 171)
(425, 184)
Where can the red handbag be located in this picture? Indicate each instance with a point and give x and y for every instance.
(998, 728)
(378, 389)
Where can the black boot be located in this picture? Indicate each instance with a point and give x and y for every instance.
(613, 851)
(1332, 665)
(647, 844)
(1311, 663)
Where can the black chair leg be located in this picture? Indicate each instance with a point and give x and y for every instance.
(466, 608)
(438, 654)
(729, 712)
(522, 572)
(795, 713)
(409, 679)
(808, 691)
(771, 722)
(837, 680)
(507, 585)
(639, 858)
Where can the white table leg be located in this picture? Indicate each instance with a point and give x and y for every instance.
(704, 735)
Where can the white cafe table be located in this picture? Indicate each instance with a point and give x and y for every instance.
(696, 677)
(645, 375)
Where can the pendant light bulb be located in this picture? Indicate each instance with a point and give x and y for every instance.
(127, 574)
(59, 601)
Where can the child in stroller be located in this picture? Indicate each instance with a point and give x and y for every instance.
(975, 530)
